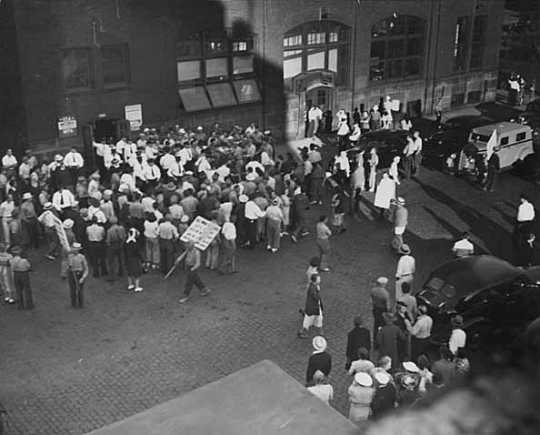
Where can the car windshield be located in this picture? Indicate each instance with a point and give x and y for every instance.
(479, 137)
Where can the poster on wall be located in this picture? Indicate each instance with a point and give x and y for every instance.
(134, 116)
(67, 126)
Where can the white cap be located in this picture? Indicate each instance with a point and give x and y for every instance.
(363, 379)
(411, 367)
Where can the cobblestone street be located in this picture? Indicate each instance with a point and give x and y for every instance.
(68, 372)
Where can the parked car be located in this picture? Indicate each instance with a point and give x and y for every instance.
(450, 138)
(388, 144)
(496, 299)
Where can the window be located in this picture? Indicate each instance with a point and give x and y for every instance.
(316, 38)
(76, 68)
(478, 41)
(115, 63)
(458, 99)
(504, 141)
(461, 44)
(246, 91)
(189, 70)
(207, 66)
(474, 96)
(291, 41)
(397, 46)
(221, 94)
(521, 136)
(194, 98)
(321, 45)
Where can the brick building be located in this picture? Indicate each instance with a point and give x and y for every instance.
(84, 66)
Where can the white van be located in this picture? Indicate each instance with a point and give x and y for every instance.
(515, 142)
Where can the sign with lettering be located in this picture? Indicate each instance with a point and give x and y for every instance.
(201, 232)
(134, 116)
(67, 126)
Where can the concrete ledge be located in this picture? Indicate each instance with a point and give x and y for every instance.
(261, 399)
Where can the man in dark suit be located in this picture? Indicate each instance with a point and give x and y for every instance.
(319, 360)
(493, 168)
(358, 337)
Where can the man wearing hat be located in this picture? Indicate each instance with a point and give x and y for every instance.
(405, 270)
(380, 302)
(274, 219)
(401, 215)
(48, 220)
(458, 338)
(77, 273)
(388, 339)
(320, 359)
(361, 394)
(21, 268)
(30, 225)
(385, 397)
(114, 239)
(358, 337)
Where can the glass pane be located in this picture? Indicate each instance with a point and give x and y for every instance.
(243, 64)
(189, 48)
(333, 60)
(239, 46)
(76, 68)
(291, 41)
(188, 70)
(246, 91)
(412, 67)
(333, 37)
(415, 25)
(114, 64)
(194, 98)
(414, 47)
(316, 61)
(396, 69)
(316, 38)
(216, 67)
(378, 49)
(292, 67)
(396, 48)
(376, 71)
(290, 53)
(216, 46)
(221, 94)
(397, 25)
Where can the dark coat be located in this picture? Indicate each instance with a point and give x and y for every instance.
(358, 337)
(313, 301)
(318, 361)
(388, 338)
(383, 401)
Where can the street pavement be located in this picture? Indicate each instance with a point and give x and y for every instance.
(66, 371)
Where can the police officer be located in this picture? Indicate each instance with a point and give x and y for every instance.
(77, 273)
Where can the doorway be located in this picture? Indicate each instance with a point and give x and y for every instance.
(320, 96)
(104, 130)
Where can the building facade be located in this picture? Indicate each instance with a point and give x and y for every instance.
(103, 67)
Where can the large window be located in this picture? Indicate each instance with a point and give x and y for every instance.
(478, 41)
(397, 48)
(77, 68)
(211, 70)
(321, 45)
(115, 64)
(461, 36)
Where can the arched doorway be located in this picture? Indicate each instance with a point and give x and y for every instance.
(315, 61)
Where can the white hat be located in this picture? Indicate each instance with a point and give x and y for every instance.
(243, 198)
(108, 192)
(401, 200)
(68, 223)
(27, 195)
(411, 367)
(58, 157)
(76, 245)
(184, 219)
(319, 343)
(382, 378)
(382, 280)
(47, 206)
(123, 188)
(363, 379)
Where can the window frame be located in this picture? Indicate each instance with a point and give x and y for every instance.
(90, 70)
(124, 47)
(389, 41)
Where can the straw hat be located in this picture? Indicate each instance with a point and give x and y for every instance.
(319, 343)
(363, 379)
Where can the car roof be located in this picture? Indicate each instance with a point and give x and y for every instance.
(501, 127)
(470, 275)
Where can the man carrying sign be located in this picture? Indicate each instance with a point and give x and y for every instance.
(193, 263)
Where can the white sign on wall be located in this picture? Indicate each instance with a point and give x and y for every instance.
(134, 116)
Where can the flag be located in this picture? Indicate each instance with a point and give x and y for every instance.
(492, 143)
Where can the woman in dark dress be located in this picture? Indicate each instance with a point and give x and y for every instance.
(133, 260)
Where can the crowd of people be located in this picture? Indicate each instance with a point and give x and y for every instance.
(126, 208)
